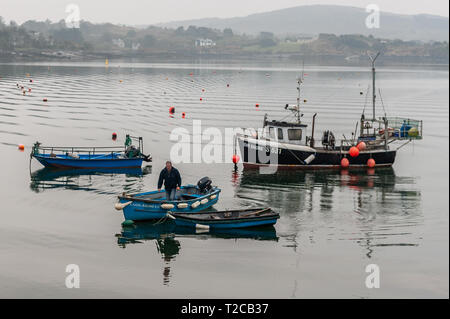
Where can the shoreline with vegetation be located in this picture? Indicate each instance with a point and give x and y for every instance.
(47, 41)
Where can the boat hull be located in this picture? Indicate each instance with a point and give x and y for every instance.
(89, 163)
(227, 224)
(296, 158)
(139, 210)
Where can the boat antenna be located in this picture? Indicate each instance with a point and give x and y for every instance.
(299, 83)
(382, 102)
(372, 59)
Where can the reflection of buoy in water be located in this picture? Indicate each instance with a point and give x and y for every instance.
(183, 115)
(361, 146)
(106, 62)
(345, 162)
(21, 147)
(354, 151)
(171, 109)
(235, 158)
(371, 163)
(114, 136)
(370, 171)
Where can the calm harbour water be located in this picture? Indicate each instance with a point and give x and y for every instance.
(332, 224)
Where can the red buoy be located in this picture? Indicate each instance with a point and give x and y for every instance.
(257, 104)
(371, 163)
(201, 99)
(114, 136)
(183, 115)
(44, 100)
(345, 162)
(354, 151)
(235, 158)
(171, 109)
(361, 146)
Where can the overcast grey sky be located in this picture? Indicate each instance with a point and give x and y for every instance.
(136, 12)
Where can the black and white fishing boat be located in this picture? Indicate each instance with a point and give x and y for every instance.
(288, 145)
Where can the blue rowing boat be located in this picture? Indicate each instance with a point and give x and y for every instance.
(154, 205)
(241, 218)
(128, 156)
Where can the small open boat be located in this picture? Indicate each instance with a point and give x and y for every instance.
(154, 205)
(92, 157)
(240, 218)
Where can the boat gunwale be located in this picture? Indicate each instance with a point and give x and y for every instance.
(131, 197)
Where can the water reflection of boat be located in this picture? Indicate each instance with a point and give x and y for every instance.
(292, 191)
(49, 178)
(167, 238)
(150, 231)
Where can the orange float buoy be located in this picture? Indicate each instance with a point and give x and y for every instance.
(354, 151)
(235, 158)
(361, 146)
(183, 115)
(21, 147)
(345, 162)
(371, 163)
(171, 109)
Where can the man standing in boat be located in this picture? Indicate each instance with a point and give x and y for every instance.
(172, 180)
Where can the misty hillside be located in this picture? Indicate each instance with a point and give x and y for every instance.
(338, 20)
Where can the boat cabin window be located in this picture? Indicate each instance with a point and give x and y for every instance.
(295, 134)
(280, 133)
(271, 132)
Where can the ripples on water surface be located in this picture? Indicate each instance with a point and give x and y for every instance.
(332, 224)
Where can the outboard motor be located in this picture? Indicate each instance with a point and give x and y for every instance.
(204, 184)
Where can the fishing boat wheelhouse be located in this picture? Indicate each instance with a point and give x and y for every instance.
(286, 144)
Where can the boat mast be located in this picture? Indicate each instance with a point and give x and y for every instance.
(373, 82)
(299, 82)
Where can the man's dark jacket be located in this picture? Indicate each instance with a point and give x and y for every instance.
(171, 179)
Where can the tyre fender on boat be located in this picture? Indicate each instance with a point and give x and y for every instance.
(120, 206)
(213, 196)
(167, 206)
(204, 201)
(182, 205)
(195, 204)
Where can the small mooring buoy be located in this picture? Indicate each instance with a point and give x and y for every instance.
(21, 147)
(345, 162)
(114, 136)
(354, 151)
(172, 110)
(371, 163)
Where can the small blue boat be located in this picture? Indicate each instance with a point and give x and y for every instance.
(241, 218)
(154, 205)
(128, 156)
